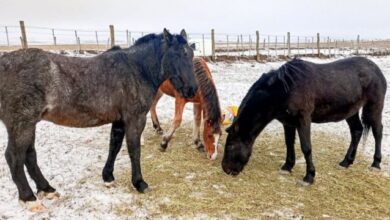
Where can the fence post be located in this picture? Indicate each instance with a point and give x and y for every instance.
(212, 45)
(112, 35)
(358, 44)
(54, 37)
(276, 45)
(268, 45)
(227, 44)
(288, 44)
(127, 38)
(24, 36)
(97, 40)
(257, 46)
(242, 45)
(318, 45)
(204, 53)
(77, 38)
(6, 34)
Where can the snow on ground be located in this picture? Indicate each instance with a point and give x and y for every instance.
(70, 156)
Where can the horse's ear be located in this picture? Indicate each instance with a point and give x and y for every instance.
(193, 46)
(183, 33)
(167, 36)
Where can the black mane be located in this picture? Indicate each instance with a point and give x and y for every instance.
(288, 74)
(151, 37)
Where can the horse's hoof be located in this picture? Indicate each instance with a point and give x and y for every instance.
(142, 187)
(375, 169)
(33, 206)
(159, 131)
(284, 172)
(48, 195)
(303, 183)
(339, 167)
(109, 184)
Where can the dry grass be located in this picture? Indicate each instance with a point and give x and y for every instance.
(185, 184)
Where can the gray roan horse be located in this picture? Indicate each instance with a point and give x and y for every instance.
(301, 92)
(115, 87)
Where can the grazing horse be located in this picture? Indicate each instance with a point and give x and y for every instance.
(115, 87)
(205, 100)
(301, 92)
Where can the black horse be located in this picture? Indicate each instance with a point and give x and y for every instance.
(301, 92)
(115, 87)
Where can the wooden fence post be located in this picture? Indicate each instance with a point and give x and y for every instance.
(288, 44)
(204, 53)
(97, 40)
(54, 37)
(257, 46)
(358, 44)
(227, 44)
(112, 35)
(127, 38)
(318, 45)
(24, 36)
(6, 34)
(212, 45)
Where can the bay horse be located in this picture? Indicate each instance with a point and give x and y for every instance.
(205, 101)
(301, 92)
(114, 87)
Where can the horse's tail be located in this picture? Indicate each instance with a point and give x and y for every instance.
(366, 126)
(208, 90)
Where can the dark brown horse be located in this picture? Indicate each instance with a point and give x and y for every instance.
(205, 101)
(301, 92)
(115, 87)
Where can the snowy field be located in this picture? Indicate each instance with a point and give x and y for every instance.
(72, 159)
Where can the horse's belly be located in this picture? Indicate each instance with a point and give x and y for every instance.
(329, 113)
(74, 118)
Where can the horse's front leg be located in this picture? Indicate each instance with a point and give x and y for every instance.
(116, 139)
(153, 113)
(304, 136)
(179, 106)
(196, 130)
(289, 138)
(134, 128)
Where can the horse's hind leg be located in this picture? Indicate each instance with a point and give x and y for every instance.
(116, 139)
(43, 187)
(179, 106)
(196, 129)
(289, 137)
(372, 117)
(356, 129)
(20, 139)
(153, 113)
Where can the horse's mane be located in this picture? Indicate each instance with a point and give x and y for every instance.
(158, 37)
(288, 74)
(208, 90)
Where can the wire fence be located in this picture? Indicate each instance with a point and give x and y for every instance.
(214, 45)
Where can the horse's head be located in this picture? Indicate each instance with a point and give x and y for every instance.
(237, 151)
(211, 134)
(177, 62)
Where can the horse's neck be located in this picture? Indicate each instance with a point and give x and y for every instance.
(148, 60)
(208, 91)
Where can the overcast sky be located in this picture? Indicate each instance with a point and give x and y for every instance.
(337, 18)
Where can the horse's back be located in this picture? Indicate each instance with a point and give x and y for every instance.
(337, 90)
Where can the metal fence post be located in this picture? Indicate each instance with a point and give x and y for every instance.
(257, 46)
